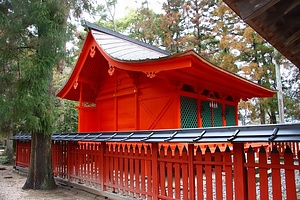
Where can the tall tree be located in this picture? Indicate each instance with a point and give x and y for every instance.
(107, 14)
(228, 29)
(8, 77)
(34, 34)
(172, 25)
(258, 57)
(199, 25)
(291, 90)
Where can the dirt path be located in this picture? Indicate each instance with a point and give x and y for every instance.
(11, 188)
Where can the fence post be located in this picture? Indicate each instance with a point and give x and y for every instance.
(240, 175)
(155, 170)
(191, 171)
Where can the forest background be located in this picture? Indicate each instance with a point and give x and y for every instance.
(208, 27)
(214, 31)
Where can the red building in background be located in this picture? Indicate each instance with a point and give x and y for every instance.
(124, 84)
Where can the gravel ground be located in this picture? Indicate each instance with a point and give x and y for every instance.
(11, 188)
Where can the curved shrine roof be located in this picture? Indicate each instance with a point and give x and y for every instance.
(106, 50)
(121, 47)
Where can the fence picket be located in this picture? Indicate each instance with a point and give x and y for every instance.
(276, 184)
(208, 174)
(218, 174)
(199, 173)
(177, 172)
(228, 174)
(162, 171)
(185, 173)
(126, 170)
(116, 169)
(149, 167)
(251, 174)
(121, 162)
(143, 171)
(169, 173)
(131, 182)
(137, 171)
(191, 154)
(289, 174)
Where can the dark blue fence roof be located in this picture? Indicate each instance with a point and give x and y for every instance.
(262, 133)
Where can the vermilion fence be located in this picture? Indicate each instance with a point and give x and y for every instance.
(23, 153)
(281, 146)
(178, 171)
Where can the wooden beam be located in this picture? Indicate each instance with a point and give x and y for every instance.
(250, 10)
(291, 7)
(294, 37)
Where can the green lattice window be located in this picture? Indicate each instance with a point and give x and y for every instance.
(206, 114)
(218, 115)
(230, 115)
(188, 112)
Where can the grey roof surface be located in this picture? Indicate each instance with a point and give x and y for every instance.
(122, 47)
(263, 133)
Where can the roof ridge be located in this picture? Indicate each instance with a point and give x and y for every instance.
(124, 37)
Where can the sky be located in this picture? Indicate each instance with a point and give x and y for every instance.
(124, 6)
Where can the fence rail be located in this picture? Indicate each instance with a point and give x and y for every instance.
(178, 171)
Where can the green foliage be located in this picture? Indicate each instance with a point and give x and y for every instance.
(33, 38)
(67, 116)
(4, 160)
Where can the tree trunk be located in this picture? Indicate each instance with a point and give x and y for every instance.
(273, 117)
(9, 149)
(262, 114)
(40, 174)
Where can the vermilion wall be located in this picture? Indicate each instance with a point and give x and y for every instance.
(132, 101)
(159, 106)
(87, 119)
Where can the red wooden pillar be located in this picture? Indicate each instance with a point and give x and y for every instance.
(155, 170)
(191, 171)
(240, 177)
(79, 107)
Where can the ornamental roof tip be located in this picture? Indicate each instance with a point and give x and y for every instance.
(233, 134)
(123, 47)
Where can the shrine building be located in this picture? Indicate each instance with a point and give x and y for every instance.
(123, 84)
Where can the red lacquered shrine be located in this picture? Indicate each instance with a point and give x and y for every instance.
(124, 84)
